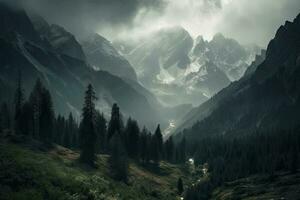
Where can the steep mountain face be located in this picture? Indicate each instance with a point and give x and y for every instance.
(209, 79)
(161, 57)
(178, 69)
(59, 39)
(159, 61)
(267, 97)
(15, 20)
(258, 60)
(103, 56)
(230, 57)
(21, 48)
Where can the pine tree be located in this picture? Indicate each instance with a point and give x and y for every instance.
(70, 131)
(115, 123)
(26, 123)
(73, 129)
(132, 132)
(118, 159)
(19, 100)
(42, 112)
(101, 132)
(143, 145)
(177, 154)
(159, 138)
(59, 129)
(157, 146)
(148, 147)
(35, 101)
(46, 117)
(88, 128)
(180, 186)
(67, 134)
(5, 117)
(182, 154)
(169, 149)
(154, 147)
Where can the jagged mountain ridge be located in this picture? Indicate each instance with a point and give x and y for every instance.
(23, 49)
(258, 60)
(95, 49)
(61, 40)
(226, 53)
(103, 56)
(171, 62)
(267, 97)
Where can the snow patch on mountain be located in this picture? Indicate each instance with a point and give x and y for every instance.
(172, 60)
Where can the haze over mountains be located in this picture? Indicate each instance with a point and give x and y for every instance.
(166, 72)
(174, 70)
(49, 52)
(179, 69)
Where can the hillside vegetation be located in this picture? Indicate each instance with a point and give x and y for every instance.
(282, 186)
(28, 170)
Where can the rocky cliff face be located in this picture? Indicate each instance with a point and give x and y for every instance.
(170, 62)
(58, 38)
(103, 56)
(227, 54)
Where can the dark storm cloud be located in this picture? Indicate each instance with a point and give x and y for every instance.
(248, 21)
(81, 16)
(254, 21)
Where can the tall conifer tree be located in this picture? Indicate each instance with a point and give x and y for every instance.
(46, 117)
(101, 132)
(42, 112)
(5, 117)
(35, 101)
(87, 128)
(182, 151)
(19, 100)
(132, 132)
(118, 160)
(115, 124)
(157, 145)
(169, 149)
(143, 145)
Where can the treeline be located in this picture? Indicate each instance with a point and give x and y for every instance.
(232, 158)
(35, 117)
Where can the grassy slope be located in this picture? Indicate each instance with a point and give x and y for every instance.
(29, 172)
(283, 186)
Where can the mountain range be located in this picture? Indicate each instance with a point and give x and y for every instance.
(159, 78)
(267, 97)
(66, 66)
(180, 69)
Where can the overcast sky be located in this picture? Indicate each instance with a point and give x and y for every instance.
(248, 21)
